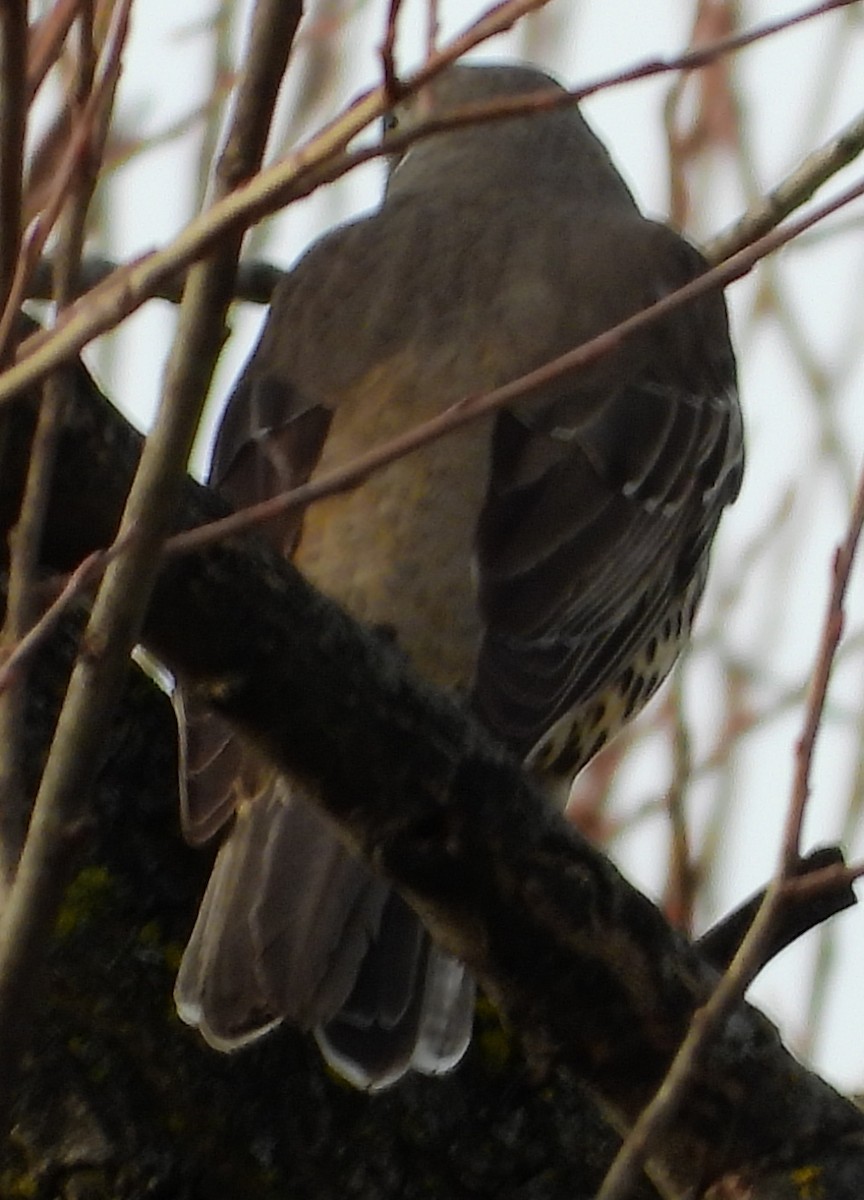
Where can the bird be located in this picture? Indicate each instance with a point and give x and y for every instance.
(544, 563)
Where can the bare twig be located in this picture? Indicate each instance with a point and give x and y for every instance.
(713, 117)
(47, 36)
(828, 891)
(683, 871)
(26, 538)
(13, 121)
(320, 161)
(832, 630)
(817, 168)
(212, 111)
(61, 803)
(822, 881)
(659, 1114)
(98, 103)
(392, 86)
(254, 283)
(433, 26)
(82, 579)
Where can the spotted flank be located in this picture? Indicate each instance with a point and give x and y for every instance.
(574, 739)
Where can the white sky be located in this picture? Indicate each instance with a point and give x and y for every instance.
(165, 75)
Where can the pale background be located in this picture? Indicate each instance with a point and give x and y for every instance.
(799, 329)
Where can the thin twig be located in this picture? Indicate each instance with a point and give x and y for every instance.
(433, 26)
(61, 803)
(824, 880)
(211, 113)
(26, 537)
(320, 161)
(817, 168)
(98, 103)
(388, 52)
(255, 281)
(82, 579)
(46, 38)
(659, 1114)
(832, 630)
(683, 873)
(13, 123)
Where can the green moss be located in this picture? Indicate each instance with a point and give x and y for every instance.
(87, 1185)
(87, 898)
(152, 938)
(808, 1183)
(150, 935)
(493, 1040)
(17, 1187)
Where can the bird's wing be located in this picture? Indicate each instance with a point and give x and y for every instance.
(279, 880)
(599, 516)
(269, 441)
(292, 926)
(326, 328)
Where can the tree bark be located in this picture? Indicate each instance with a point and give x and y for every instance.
(596, 985)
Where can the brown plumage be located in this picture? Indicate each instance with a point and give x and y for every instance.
(547, 560)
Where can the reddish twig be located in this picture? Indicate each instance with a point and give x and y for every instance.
(98, 103)
(47, 35)
(832, 630)
(13, 123)
(318, 162)
(659, 1114)
(85, 575)
(392, 86)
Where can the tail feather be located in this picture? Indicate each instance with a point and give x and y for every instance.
(284, 925)
(431, 1034)
(448, 1015)
(293, 927)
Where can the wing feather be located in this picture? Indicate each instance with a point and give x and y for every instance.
(596, 527)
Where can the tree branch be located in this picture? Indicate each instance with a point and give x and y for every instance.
(583, 966)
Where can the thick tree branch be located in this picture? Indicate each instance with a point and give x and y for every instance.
(583, 966)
